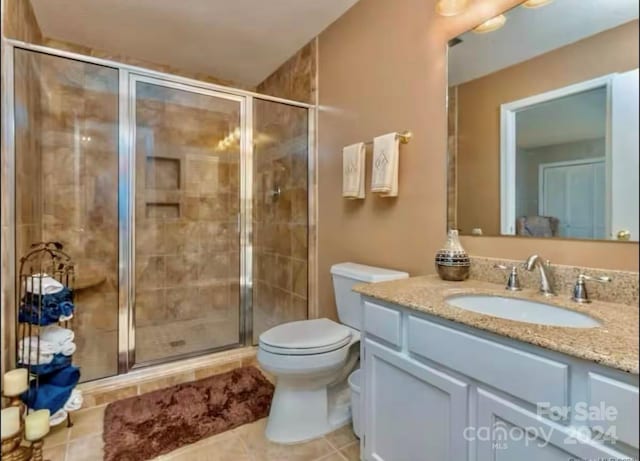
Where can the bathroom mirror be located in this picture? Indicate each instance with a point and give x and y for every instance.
(543, 126)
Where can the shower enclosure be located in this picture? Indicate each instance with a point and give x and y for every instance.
(185, 204)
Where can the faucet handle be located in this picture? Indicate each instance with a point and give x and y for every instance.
(580, 294)
(513, 282)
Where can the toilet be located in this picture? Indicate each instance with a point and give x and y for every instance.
(312, 359)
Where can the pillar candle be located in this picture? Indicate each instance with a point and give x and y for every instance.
(36, 425)
(10, 422)
(15, 382)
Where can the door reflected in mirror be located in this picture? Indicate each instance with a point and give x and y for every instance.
(543, 126)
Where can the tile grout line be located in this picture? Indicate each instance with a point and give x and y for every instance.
(335, 450)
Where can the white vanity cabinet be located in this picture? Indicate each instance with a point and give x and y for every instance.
(437, 390)
(400, 393)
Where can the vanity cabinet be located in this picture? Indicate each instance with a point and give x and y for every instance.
(400, 393)
(437, 390)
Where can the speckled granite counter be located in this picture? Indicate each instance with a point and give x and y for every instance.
(613, 344)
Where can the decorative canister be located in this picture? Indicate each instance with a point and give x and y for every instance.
(452, 261)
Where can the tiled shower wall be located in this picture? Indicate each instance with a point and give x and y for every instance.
(280, 213)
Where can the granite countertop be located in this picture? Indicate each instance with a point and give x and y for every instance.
(614, 343)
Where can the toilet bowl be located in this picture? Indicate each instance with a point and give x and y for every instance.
(312, 359)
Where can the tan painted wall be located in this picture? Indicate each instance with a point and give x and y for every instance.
(382, 68)
(615, 50)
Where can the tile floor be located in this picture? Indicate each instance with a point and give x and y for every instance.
(83, 442)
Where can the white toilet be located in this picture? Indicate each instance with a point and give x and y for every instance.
(312, 359)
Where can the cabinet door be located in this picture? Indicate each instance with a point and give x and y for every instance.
(412, 412)
(507, 432)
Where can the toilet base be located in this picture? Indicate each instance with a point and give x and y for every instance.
(299, 414)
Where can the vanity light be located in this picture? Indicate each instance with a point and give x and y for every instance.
(451, 7)
(536, 3)
(491, 25)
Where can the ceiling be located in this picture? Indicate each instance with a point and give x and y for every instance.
(532, 32)
(573, 118)
(240, 40)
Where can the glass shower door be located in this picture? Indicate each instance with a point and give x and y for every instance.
(187, 206)
(66, 188)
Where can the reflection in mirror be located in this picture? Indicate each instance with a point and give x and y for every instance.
(543, 126)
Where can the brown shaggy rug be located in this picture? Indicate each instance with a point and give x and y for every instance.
(145, 426)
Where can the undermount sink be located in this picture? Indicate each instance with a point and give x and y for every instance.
(522, 310)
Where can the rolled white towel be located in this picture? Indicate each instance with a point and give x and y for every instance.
(31, 344)
(34, 358)
(48, 284)
(75, 401)
(57, 335)
(68, 349)
(58, 417)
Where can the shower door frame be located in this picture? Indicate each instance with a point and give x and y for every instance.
(127, 76)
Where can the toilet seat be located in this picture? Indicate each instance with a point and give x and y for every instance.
(305, 337)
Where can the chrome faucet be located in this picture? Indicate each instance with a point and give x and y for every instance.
(545, 279)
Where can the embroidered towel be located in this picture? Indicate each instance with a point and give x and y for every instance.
(384, 179)
(353, 159)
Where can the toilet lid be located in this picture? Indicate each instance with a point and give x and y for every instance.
(309, 335)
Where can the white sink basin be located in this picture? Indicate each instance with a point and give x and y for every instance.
(522, 310)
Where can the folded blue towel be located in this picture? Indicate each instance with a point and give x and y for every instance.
(53, 390)
(53, 306)
(59, 362)
(67, 376)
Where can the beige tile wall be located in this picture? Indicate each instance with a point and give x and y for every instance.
(296, 78)
(280, 224)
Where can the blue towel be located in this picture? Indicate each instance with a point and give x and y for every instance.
(67, 376)
(53, 390)
(53, 306)
(59, 361)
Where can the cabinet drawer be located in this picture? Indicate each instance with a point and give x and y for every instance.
(383, 322)
(621, 397)
(534, 379)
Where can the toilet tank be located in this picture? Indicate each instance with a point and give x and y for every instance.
(345, 276)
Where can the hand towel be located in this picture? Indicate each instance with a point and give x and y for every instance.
(353, 166)
(384, 178)
(57, 335)
(48, 284)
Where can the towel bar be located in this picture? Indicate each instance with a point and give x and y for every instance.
(404, 137)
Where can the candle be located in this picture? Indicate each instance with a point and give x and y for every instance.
(10, 422)
(15, 382)
(36, 425)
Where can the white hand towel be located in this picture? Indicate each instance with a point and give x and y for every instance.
(353, 165)
(75, 401)
(49, 284)
(384, 178)
(57, 335)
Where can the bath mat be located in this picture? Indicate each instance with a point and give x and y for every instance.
(148, 425)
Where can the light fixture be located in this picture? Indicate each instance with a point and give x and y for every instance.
(491, 25)
(451, 7)
(536, 3)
